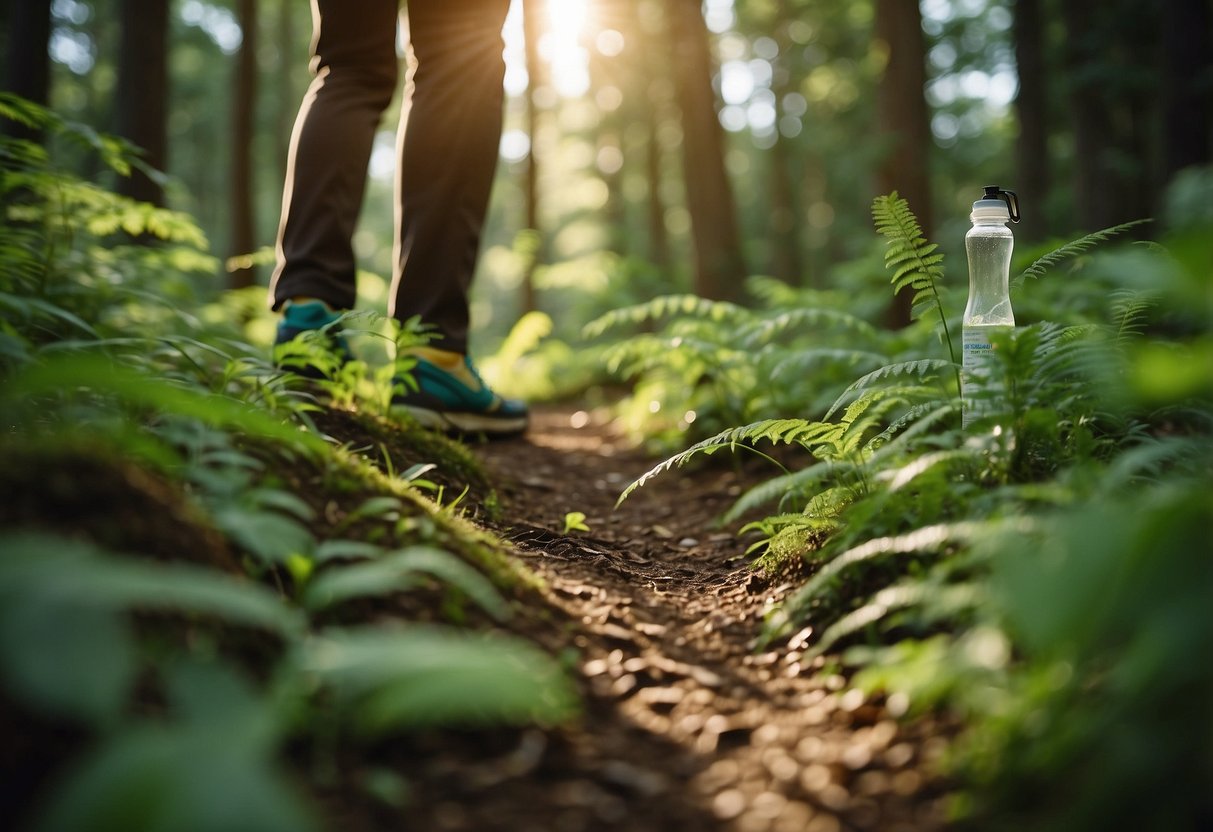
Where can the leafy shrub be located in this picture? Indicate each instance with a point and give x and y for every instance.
(1036, 573)
(188, 683)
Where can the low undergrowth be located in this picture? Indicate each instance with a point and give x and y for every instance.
(216, 578)
(1041, 574)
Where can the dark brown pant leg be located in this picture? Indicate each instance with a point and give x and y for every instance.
(448, 157)
(355, 69)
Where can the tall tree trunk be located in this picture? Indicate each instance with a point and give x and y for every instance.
(290, 56)
(244, 100)
(719, 269)
(141, 109)
(659, 236)
(653, 105)
(903, 120)
(786, 262)
(1103, 187)
(1031, 105)
(1187, 83)
(607, 80)
(532, 14)
(27, 70)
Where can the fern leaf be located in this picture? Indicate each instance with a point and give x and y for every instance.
(915, 262)
(801, 362)
(898, 478)
(920, 541)
(945, 600)
(662, 307)
(1129, 310)
(923, 368)
(1072, 249)
(918, 420)
(767, 329)
(781, 486)
(771, 430)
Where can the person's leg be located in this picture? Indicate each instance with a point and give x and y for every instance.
(448, 157)
(354, 64)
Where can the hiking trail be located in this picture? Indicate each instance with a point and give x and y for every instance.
(686, 726)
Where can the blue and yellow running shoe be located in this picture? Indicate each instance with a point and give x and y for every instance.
(443, 391)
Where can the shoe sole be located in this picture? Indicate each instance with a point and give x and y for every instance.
(469, 423)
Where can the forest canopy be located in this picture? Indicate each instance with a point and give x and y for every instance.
(710, 141)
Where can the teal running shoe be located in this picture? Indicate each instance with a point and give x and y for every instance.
(316, 356)
(456, 401)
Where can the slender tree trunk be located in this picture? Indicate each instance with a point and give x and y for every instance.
(1187, 84)
(532, 14)
(903, 120)
(27, 70)
(244, 100)
(290, 56)
(659, 236)
(719, 269)
(654, 106)
(1110, 159)
(1031, 105)
(141, 109)
(786, 261)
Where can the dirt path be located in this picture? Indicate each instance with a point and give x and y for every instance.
(685, 728)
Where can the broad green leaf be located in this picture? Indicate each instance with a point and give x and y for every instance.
(75, 573)
(270, 536)
(352, 549)
(64, 659)
(199, 778)
(399, 571)
(101, 375)
(375, 507)
(423, 675)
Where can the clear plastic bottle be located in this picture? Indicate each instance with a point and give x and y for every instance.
(988, 245)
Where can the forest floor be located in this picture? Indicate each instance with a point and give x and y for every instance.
(685, 725)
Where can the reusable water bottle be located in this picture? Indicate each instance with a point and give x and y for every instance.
(988, 245)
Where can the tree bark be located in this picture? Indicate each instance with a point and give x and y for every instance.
(1187, 85)
(27, 70)
(290, 56)
(653, 106)
(141, 107)
(718, 266)
(1106, 47)
(1031, 106)
(532, 13)
(786, 261)
(904, 122)
(244, 99)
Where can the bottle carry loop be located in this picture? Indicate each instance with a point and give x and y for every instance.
(1009, 197)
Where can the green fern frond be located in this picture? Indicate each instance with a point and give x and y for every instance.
(766, 330)
(923, 368)
(944, 601)
(802, 362)
(776, 431)
(869, 412)
(15, 108)
(793, 539)
(643, 353)
(914, 261)
(920, 541)
(898, 478)
(1072, 249)
(778, 488)
(772, 292)
(1128, 313)
(663, 307)
(918, 420)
